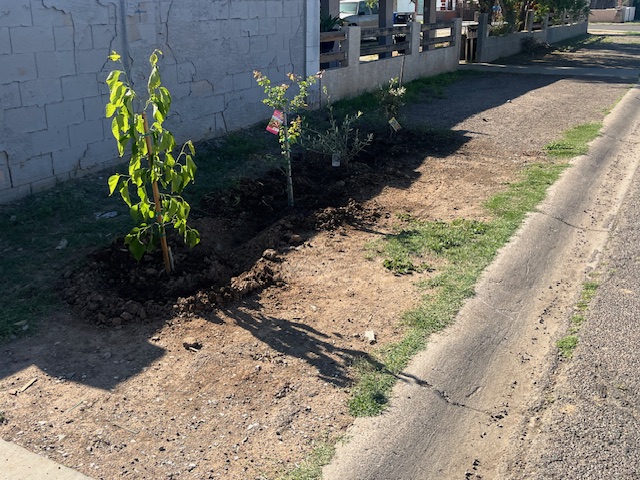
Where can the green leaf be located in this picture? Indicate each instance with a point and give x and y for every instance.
(154, 79)
(192, 237)
(113, 183)
(124, 193)
(114, 57)
(110, 109)
(136, 247)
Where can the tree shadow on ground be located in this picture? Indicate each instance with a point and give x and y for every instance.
(299, 340)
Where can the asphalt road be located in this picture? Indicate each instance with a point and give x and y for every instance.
(487, 398)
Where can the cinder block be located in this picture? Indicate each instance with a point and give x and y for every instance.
(97, 155)
(49, 140)
(80, 86)
(85, 133)
(25, 119)
(40, 92)
(44, 184)
(275, 42)
(220, 10)
(258, 45)
(242, 81)
(250, 27)
(258, 9)
(65, 113)
(267, 26)
(5, 41)
(94, 108)
(13, 194)
(64, 38)
(238, 9)
(32, 39)
(103, 35)
(31, 170)
(223, 85)
(18, 68)
(283, 26)
(10, 95)
(82, 38)
(55, 64)
(186, 71)
(44, 16)
(92, 61)
(274, 8)
(201, 88)
(15, 13)
(67, 160)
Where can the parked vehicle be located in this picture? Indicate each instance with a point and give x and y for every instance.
(359, 14)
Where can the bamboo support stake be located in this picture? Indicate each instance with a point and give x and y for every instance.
(156, 199)
(285, 125)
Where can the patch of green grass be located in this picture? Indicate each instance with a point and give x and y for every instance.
(437, 84)
(574, 142)
(465, 248)
(311, 468)
(567, 345)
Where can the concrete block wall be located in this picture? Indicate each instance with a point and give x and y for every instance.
(53, 64)
(491, 48)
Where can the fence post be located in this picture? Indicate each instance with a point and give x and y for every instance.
(529, 20)
(414, 38)
(483, 34)
(353, 46)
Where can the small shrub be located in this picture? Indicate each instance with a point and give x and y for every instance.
(341, 141)
(391, 98)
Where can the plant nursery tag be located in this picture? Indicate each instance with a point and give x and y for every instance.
(394, 124)
(276, 121)
(335, 159)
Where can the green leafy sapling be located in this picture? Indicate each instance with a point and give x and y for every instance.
(289, 131)
(164, 174)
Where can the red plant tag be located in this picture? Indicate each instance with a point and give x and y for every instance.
(276, 121)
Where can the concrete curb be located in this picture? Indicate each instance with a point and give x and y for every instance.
(631, 74)
(16, 463)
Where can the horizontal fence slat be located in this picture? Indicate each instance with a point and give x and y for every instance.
(333, 57)
(434, 26)
(373, 49)
(332, 36)
(437, 40)
(383, 32)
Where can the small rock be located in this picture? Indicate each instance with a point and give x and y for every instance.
(340, 183)
(155, 338)
(270, 254)
(13, 219)
(142, 313)
(152, 272)
(370, 336)
(191, 342)
(295, 239)
(116, 321)
(126, 316)
(63, 244)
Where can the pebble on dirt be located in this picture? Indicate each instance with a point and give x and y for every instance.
(191, 343)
